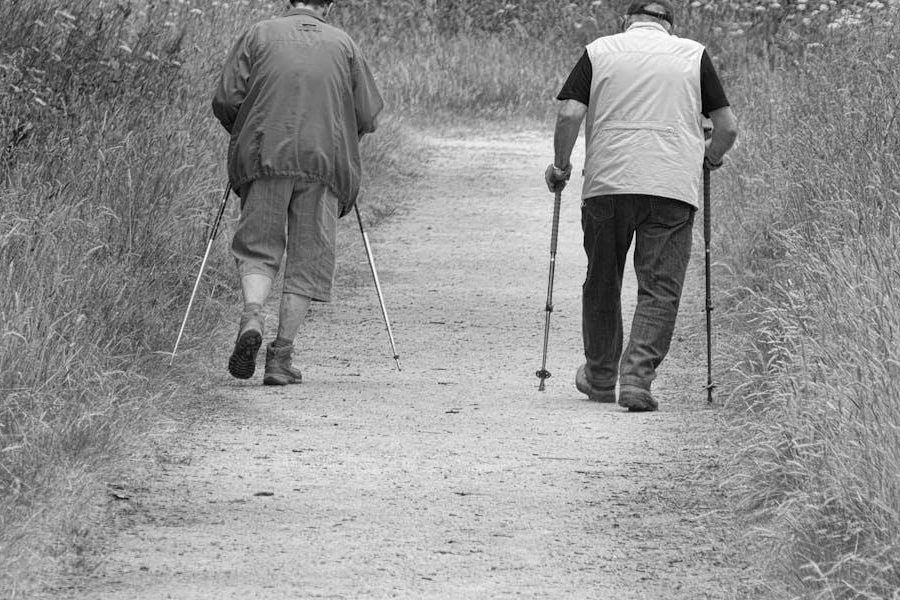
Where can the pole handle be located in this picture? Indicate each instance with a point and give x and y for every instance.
(554, 235)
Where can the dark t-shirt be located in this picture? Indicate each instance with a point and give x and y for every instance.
(578, 85)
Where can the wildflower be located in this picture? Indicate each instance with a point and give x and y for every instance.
(196, 11)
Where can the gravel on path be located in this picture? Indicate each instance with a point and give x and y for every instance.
(454, 478)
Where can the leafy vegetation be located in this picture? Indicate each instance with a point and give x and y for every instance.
(111, 167)
(811, 231)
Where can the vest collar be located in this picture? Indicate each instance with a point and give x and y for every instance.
(647, 25)
(306, 12)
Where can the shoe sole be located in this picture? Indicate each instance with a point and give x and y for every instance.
(242, 362)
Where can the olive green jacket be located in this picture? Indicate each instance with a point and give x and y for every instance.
(296, 94)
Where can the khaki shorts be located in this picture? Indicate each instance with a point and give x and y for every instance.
(297, 220)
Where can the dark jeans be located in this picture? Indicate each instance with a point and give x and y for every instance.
(663, 232)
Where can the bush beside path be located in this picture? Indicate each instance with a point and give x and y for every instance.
(454, 477)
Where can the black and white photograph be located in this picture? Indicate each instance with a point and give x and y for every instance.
(450, 299)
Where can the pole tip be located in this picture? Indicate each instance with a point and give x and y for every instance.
(543, 374)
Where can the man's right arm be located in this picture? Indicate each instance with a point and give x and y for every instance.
(575, 96)
(232, 87)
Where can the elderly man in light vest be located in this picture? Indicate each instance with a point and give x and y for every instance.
(644, 93)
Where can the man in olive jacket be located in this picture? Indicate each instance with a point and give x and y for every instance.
(296, 95)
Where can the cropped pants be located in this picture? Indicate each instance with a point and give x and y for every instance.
(296, 220)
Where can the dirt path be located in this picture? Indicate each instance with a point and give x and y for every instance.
(455, 478)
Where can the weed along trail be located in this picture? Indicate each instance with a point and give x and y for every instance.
(454, 478)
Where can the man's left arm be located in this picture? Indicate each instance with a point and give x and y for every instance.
(575, 96)
(366, 98)
(568, 124)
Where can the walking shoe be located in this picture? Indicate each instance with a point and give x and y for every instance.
(242, 362)
(594, 394)
(636, 399)
(278, 366)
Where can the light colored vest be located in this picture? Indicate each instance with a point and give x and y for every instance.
(643, 128)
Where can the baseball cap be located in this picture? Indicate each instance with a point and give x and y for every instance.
(651, 8)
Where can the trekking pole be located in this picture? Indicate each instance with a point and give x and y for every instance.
(387, 323)
(706, 236)
(543, 373)
(212, 236)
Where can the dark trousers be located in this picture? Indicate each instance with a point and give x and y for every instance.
(663, 231)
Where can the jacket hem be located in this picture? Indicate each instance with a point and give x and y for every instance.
(237, 184)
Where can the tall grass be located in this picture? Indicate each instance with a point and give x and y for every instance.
(813, 240)
(111, 167)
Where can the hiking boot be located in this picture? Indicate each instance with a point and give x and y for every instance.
(594, 394)
(278, 366)
(636, 399)
(242, 362)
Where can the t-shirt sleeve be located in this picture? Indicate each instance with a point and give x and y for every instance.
(578, 85)
(712, 96)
